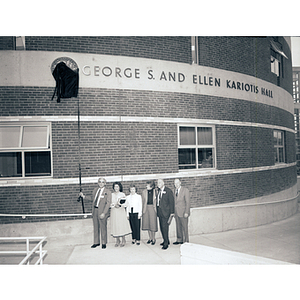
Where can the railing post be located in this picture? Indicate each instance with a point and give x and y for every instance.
(27, 248)
(41, 254)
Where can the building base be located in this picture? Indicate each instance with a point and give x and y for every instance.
(218, 218)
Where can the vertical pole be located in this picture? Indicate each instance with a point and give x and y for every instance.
(79, 157)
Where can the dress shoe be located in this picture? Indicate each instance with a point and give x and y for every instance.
(161, 244)
(138, 242)
(164, 247)
(95, 245)
(177, 243)
(103, 246)
(153, 242)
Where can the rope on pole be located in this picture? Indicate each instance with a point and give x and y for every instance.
(80, 199)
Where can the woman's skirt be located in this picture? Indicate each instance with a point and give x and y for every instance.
(149, 219)
(119, 223)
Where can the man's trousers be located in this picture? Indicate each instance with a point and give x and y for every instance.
(100, 228)
(182, 229)
(164, 227)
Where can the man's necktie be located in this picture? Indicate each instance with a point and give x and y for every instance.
(159, 197)
(97, 198)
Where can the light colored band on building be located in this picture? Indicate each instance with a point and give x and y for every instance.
(128, 178)
(33, 69)
(138, 119)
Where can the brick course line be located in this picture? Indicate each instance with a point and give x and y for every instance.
(138, 119)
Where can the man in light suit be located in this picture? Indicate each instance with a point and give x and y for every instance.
(101, 198)
(165, 209)
(182, 212)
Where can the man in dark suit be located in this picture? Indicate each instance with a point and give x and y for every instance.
(165, 209)
(101, 198)
(182, 212)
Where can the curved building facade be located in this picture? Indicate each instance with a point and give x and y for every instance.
(216, 112)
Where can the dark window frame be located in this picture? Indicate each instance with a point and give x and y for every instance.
(195, 156)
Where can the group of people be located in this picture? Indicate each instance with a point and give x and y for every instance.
(129, 214)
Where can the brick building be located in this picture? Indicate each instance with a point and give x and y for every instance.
(216, 112)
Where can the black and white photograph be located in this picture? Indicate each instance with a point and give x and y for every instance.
(148, 152)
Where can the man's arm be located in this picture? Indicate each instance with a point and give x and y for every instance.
(171, 202)
(85, 197)
(108, 201)
(187, 203)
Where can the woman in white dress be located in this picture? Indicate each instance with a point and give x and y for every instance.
(120, 226)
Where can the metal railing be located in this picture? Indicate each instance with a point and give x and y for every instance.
(24, 216)
(29, 253)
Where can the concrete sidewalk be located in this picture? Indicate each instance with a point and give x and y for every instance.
(278, 241)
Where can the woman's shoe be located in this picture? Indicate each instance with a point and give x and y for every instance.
(153, 242)
(149, 241)
(122, 244)
(117, 243)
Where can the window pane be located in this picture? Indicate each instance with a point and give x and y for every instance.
(275, 66)
(205, 159)
(187, 158)
(275, 137)
(35, 136)
(281, 159)
(37, 164)
(10, 164)
(275, 155)
(280, 138)
(187, 136)
(204, 135)
(9, 136)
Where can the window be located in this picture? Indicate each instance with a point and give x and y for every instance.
(25, 150)
(275, 66)
(279, 148)
(196, 148)
(277, 56)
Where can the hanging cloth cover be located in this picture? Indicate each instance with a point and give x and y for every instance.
(66, 81)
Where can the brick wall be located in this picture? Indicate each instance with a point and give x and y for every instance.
(207, 190)
(290, 147)
(34, 101)
(244, 147)
(172, 48)
(114, 148)
(6, 43)
(247, 55)
(117, 148)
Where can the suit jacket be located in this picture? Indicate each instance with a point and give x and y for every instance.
(182, 202)
(166, 203)
(104, 203)
(145, 200)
